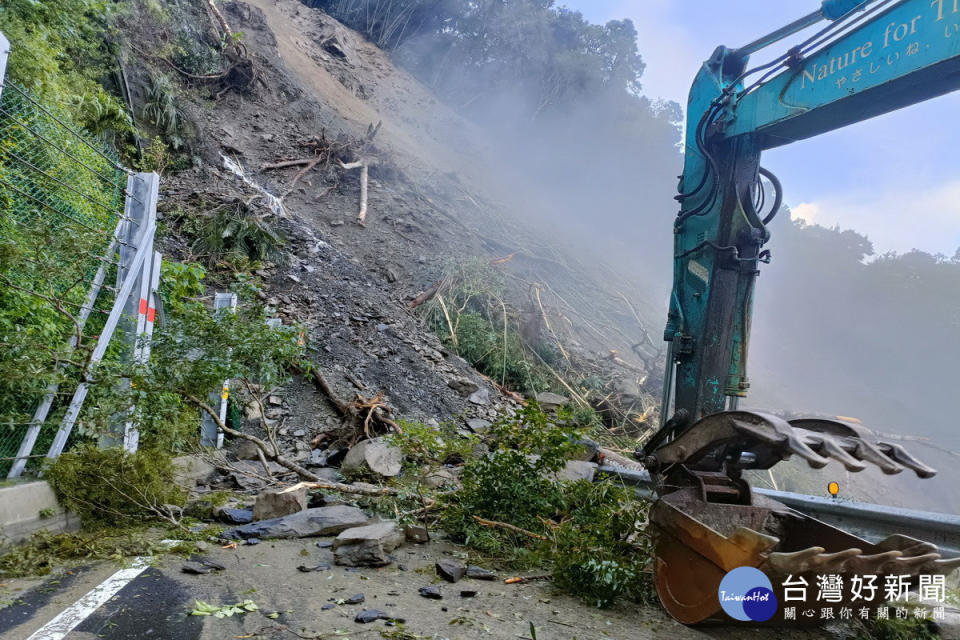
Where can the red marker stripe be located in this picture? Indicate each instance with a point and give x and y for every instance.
(151, 314)
(143, 306)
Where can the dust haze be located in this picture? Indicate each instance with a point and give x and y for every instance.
(591, 164)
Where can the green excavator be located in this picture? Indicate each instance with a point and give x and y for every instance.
(849, 61)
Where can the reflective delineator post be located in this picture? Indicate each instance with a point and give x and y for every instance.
(210, 433)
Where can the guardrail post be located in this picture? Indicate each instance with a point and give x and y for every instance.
(210, 433)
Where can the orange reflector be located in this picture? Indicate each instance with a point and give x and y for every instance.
(833, 488)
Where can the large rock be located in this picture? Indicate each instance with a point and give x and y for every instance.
(549, 401)
(368, 546)
(321, 521)
(189, 471)
(274, 503)
(373, 455)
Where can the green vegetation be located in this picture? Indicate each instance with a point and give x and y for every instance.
(43, 551)
(112, 486)
(470, 316)
(592, 534)
(897, 629)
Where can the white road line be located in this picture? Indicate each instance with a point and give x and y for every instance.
(68, 619)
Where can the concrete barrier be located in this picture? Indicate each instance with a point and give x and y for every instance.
(28, 507)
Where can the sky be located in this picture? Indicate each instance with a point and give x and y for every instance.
(894, 178)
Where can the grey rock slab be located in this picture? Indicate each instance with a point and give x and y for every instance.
(480, 397)
(479, 573)
(321, 521)
(373, 455)
(274, 503)
(367, 546)
(189, 471)
(479, 425)
(450, 570)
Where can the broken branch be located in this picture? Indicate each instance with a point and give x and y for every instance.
(509, 527)
(264, 446)
(343, 488)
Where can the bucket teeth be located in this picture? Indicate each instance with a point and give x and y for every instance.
(912, 563)
(945, 565)
(871, 453)
(833, 561)
(908, 545)
(871, 564)
(902, 456)
(792, 561)
(831, 447)
(812, 559)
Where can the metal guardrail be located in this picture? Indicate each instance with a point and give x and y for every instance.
(871, 522)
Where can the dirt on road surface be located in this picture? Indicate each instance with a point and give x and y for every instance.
(157, 603)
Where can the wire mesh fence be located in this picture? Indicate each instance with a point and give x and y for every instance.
(62, 198)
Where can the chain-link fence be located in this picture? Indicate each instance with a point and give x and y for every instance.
(62, 201)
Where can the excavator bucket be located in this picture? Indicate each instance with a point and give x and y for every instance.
(707, 521)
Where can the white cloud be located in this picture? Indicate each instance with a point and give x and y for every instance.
(895, 219)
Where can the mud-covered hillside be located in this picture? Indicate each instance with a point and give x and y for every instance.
(432, 204)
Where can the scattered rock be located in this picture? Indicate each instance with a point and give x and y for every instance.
(372, 615)
(468, 593)
(367, 546)
(479, 573)
(450, 570)
(327, 607)
(207, 562)
(274, 503)
(373, 455)
(325, 544)
(357, 599)
(189, 471)
(480, 397)
(433, 592)
(195, 569)
(577, 470)
(321, 521)
(416, 534)
(479, 425)
(438, 478)
(550, 401)
(323, 566)
(235, 516)
(464, 386)
(253, 541)
(252, 412)
(248, 473)
(246, 450)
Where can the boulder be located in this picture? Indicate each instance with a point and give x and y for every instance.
(274, 503)
(321, 521)
(450, 570)
(189, 471)
(438, 478)
(416, 534)
(479, 425)
(367, 546)
(549, 401)
(480, 397)
(464, 386)
(479, 573)
(375, 456)
(246, 450)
